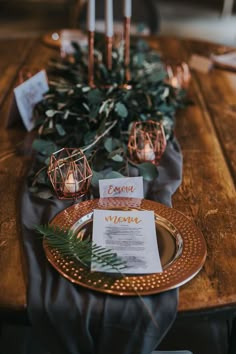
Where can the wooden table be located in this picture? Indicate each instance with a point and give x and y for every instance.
(206, 131)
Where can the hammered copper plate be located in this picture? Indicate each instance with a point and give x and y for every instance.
(181, 245)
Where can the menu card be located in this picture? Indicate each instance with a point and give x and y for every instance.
(132, 236)
(131, 187)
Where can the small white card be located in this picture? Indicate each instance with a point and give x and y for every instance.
(227, 60)
(129, 187)
(28, 94)
(200, 63)
(132, 236)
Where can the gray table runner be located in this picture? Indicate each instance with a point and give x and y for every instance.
(70, 319)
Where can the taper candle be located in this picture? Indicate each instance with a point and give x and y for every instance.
(127, 20)
(91, 15)
(109, 18)
(127, 8)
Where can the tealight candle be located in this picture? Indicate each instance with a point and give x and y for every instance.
(71, 184)
(147, 153)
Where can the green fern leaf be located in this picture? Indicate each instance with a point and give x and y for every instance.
(69, 244)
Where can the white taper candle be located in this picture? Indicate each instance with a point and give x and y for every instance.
(127, 8)
(91, 15)
(109, 18)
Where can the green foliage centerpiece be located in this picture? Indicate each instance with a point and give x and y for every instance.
(99, 119)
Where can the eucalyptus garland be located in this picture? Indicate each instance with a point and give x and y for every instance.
(73, 114)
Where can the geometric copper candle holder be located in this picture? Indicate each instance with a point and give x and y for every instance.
(69, 173)
(178, 74)
(147, 142)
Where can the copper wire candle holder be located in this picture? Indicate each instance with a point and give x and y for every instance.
(178, 74)
(147, 142)
(69, 173)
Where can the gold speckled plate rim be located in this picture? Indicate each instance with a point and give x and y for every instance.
(182, 270)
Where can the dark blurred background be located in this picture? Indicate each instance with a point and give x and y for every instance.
(205, 19)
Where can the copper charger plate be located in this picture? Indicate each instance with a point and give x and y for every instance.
(182, 249)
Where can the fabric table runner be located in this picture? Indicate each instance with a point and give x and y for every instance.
(70, 319)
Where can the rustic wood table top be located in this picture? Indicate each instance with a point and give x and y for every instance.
(206, 131)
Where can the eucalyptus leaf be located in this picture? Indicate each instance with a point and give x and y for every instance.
(50, 113)
(111, 143)
(108, 144)
(148, 171)
(94, 97)
(100, 161)
(86, 88)
(89, 137)
(117, 158)
(96, 177)
(86, 106)
(113, 174)
(157, 76)
(60, 129)
(165, 108)
(121, 110)
(44, 147)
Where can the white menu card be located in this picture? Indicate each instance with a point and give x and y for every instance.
(132, 236)
(129, 187)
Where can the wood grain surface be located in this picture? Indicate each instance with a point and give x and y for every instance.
(206, 131)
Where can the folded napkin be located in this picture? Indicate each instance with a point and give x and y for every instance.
(70, 319)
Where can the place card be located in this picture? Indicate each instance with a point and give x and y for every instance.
(26, 96)
(131, 235)
(129, 187)
(225, 61)
(200, 63)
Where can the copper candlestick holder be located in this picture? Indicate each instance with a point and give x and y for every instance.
(147, 142)
(127, 47)
(109, 41)
(69, 173)
(91, 58)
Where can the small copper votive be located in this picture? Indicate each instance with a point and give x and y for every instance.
(147, 142)
(178, 74)
(69, 173)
